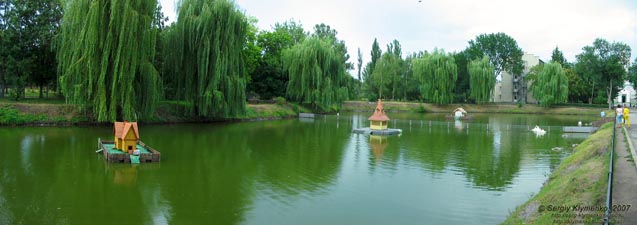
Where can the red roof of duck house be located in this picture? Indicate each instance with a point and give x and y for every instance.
(122, 128)
(379, 113)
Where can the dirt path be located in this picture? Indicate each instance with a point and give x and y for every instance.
(625, 176)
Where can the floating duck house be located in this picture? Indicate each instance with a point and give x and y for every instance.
(378, 123)
(126, 146)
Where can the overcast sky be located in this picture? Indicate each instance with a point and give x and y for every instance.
(538, 26)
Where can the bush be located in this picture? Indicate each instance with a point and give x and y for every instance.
(280, 100)
(422, 109)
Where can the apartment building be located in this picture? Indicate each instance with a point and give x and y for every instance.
(514, 88)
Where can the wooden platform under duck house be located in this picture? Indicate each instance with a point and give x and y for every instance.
(111, 154)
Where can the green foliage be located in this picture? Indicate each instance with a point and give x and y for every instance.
(438, 73)
(317, 73)
(502, 50)
(251, 53)
(534, 72)
(422, 109)
(280, 100)
(632, 73)
(551, 85)
(359, 65)
(324, 31)
(576, 86)
(558, 57)
(386, 78)
(10, 115)
(105, 51)
(602, 65)
(463, 87)
(409, 83)
(481, 79)
(270, 78)
(371, 89)
(26, 58)
(207, 61)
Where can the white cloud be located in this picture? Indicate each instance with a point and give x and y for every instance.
(538, 26)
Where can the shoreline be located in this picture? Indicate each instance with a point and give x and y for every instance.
(64, 115)
(579, 180)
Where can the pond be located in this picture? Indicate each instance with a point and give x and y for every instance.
(295, 171)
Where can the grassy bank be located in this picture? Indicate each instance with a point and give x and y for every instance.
(55, 112)
(357, 106)
(581, 179)
(39, 113)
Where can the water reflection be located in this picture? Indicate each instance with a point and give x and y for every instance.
(125, 175)
(458, 125)
(279, 172)
(378, 144)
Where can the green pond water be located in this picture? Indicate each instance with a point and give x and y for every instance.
(296, 171)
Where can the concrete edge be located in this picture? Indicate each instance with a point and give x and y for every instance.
(630, 145)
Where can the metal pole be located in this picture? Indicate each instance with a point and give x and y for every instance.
(609, 191)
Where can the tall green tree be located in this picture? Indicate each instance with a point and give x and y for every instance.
(576, 87)
(28, 28)
(359, 65)
(481, 80)
(206, 57)
(371, 90)
(463, 91)
(270, 78)
(324, 31)
(551, 85)
(251, 52)
(632, 73)
(317, 73)
(438, 73)
(105, 51)
(558, 56)
(410, 83)
(603, 65)
(4, 16)
(388, 77)
(502, 50)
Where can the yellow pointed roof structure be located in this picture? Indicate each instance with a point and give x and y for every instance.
(379, 113)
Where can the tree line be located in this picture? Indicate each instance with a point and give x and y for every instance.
(118, 59)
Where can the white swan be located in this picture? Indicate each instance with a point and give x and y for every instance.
(538, 131)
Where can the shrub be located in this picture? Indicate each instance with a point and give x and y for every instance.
(280, 100)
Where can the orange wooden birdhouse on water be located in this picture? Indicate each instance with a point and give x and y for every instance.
(126, 136)
(126, 146)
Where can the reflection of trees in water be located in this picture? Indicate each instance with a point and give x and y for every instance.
(490, 166)
(221, 163)
(488, 160)
(211, 174)
(298, 157)
(433, 150)
(42, 168)
(543, 147)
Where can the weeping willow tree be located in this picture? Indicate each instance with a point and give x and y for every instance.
(317, 73)
(551, 85)
(437, 73)
(481, 79)
(204, 58)
(105, 50)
